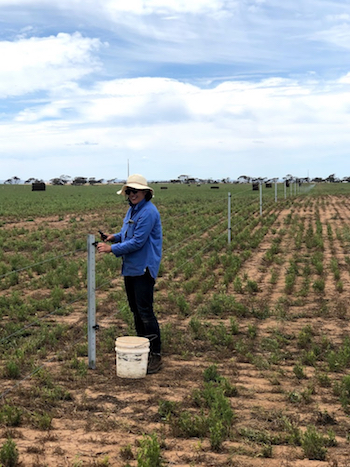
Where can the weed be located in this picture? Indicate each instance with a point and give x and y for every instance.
(12, 370)
(238, 285)
(252, 331)
(42, 421)
(294, 397)
(211, 374)
(305, 337)
(342, 390)
(259, 436)
(9, 454)
(319, 285)
(221, 304)
(314, 444)
(126, 453)
(10, 415)
(167, 409)
(182, 305)
(324, 380)
(252, 286)
(298, 370)
(340, 286)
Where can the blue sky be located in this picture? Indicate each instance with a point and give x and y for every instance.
(208, 88)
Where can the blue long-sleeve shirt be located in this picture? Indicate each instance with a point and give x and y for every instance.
(140, 240)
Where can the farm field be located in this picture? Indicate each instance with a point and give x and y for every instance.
(255, 332)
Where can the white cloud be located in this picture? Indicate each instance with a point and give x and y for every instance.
(338, 36)
(44, 63)
(135, 118)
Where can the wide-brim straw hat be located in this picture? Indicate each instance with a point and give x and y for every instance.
(136, 181)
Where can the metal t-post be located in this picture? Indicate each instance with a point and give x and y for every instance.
(276, 192)
(229, 218)
(260, 189)
(91, 287)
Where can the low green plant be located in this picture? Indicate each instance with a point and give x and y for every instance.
(340, 286)
(342, 390)
(222, 304)
(298, 370)
(149, 454)
(305, 337)
(252, 286)
(294, 397)
(12, 370)
(42, 421)
(9, 454)
(314, 444)
(167, 409)
(126, 453)
(238, 285)
(324, 380)
(10, 415)
(319, 285)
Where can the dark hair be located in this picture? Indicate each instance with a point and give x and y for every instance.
(148, 195)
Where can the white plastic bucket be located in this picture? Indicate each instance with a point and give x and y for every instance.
(132, 356)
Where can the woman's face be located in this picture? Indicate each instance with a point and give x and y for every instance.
(135, 196)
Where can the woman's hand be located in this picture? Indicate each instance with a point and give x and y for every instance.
(104, 248)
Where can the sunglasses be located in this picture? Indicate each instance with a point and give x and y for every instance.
(131, 190)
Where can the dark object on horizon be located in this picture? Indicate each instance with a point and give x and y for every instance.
(38, 186)
(214, 187)
(255, 186)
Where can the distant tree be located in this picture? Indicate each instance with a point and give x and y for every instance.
(93, 181)
(79, 181)
(30, 180)
(244, 178)
(332, 179)
(57, 181)
(65, 178)
(13, 180)
(183, 178)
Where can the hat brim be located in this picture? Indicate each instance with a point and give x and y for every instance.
(135, 185)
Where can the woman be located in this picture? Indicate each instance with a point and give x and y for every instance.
(139, 243)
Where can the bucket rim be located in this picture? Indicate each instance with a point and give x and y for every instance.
(132, 338)
(132, 341)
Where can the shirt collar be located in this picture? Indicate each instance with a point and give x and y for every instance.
(136, 207)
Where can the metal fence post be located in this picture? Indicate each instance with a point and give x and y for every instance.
(276, 192)
(229, 218)
(260, 189)
(91, 287)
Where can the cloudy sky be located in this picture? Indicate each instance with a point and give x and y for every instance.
(208, 88)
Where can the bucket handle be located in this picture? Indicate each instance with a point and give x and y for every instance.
(151, 338)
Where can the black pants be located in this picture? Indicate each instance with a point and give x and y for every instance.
(139, 290)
